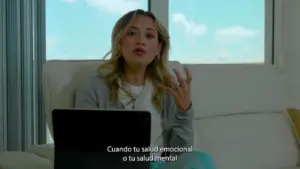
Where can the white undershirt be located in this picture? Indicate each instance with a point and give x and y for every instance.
(143, 96)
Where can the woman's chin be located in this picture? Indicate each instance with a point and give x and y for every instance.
(139, 62)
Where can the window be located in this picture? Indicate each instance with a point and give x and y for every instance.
(81, 29)
(218, 31)
(202, 31)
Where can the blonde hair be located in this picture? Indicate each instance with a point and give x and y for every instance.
(157, 71)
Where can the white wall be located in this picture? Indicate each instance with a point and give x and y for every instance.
(291, 41)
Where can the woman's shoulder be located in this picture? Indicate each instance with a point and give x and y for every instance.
(93, 81)
(92, 88)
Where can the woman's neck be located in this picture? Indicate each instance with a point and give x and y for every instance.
(135, 77)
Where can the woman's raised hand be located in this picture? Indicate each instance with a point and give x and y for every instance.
(181, 91)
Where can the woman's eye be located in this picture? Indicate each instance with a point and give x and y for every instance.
(150, 36)
(131, 33)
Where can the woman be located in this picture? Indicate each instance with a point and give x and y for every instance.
(136, 77)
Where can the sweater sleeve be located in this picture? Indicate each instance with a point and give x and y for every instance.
(87, 94)
(181, 130)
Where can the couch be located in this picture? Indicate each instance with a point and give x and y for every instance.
(258, 139)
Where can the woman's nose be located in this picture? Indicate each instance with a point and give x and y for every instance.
(140, 40)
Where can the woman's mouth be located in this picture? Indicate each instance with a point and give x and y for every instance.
(139, 51)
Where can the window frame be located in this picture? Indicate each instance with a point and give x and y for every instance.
(273, 19)
(278, 33)
(269, 31)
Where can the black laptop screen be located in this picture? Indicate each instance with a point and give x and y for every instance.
(100, 138)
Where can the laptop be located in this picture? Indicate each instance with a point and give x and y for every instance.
(108, 139)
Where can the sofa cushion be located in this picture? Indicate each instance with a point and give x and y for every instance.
(248, 141)
(23, 160)
(44, 150)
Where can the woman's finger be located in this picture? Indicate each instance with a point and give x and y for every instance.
(174, 82)
(170, 90)
(188, 75)
(179, 78)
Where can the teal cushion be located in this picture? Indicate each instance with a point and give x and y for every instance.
(194, 160)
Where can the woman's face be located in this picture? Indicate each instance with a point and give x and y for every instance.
(140, 44)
